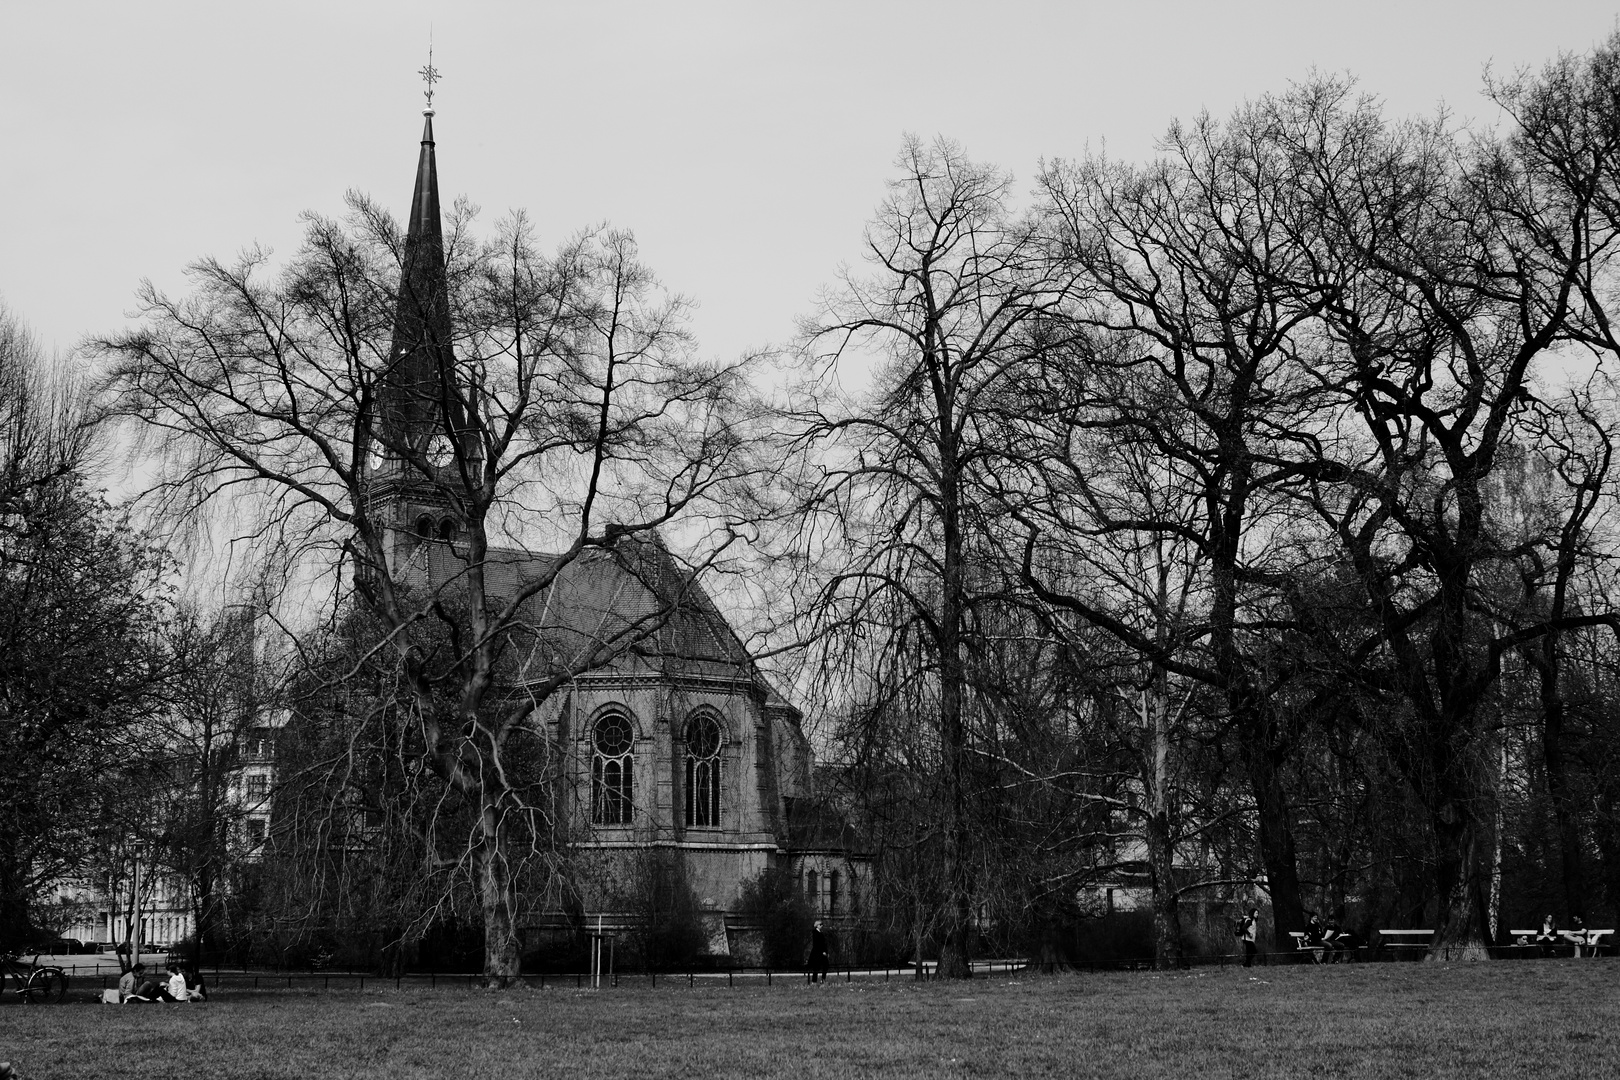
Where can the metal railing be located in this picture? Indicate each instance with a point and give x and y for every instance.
(222, 978)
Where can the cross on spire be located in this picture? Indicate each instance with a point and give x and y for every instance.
(430, 75)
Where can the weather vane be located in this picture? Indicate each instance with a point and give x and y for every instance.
(430, 75)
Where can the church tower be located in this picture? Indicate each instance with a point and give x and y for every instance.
(411, 468)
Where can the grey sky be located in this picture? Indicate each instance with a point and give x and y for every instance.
(744, 143)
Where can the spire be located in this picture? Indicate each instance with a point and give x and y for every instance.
(420, 354)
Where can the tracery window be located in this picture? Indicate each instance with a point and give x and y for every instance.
(612, 770)
(703, 742)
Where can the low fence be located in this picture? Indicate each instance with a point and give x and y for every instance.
(230, 979)
(102, 977)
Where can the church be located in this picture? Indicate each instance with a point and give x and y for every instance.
(676, 751)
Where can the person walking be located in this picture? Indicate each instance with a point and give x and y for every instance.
(1248, 932)
(818, 953)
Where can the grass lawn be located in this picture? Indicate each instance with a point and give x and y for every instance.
(1547, 1018)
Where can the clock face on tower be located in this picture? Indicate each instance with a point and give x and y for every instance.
(439, 451)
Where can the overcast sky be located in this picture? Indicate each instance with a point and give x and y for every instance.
(744, 143)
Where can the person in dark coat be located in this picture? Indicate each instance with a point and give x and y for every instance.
(1248, 932)
(818, 953)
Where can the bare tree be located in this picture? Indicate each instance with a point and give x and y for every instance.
(213, 721)
(1132, 590)
(1457, 268)
(455, 430)
(895, 508)
(79, 652)
(44, 438)
(1552, 508)
(1200, 309)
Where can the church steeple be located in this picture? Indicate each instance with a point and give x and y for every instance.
(420, 362)
(408, 489)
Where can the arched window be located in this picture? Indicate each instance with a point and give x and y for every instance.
(832, 893)
(812, 895)
(424, 526)
(447, 529)
(703, 741)
(612, 770)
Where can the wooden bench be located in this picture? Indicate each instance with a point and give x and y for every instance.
(1590, 940)
(1405, 941)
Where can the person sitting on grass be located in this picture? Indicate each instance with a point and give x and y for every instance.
(175, 988)
(196, 990)
(133, 985)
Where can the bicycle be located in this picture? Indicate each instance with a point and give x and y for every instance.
(35, 982)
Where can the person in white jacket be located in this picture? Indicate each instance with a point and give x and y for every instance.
(177, 985)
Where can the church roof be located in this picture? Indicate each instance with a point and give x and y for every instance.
(634, 600)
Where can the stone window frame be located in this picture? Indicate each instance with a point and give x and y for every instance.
(613, 771)
(707, 771)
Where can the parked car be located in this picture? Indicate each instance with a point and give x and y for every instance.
(58, 946)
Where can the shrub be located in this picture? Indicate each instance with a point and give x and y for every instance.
(770, 901)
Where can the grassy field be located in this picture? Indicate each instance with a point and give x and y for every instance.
(1550, 1018)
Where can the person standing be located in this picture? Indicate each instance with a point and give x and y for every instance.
(818, 953)
(1248, 932)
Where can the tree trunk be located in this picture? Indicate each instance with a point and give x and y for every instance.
(1493, 924)
(13, 902)
(1160, 841)
(502, 960)
(954, 956)
(955, 951)
(1459, 932)
(1276, 837)
(207, 917)
(1166, 904)
(1558, 786)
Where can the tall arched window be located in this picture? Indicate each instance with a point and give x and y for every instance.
(703, 741)
(612, 770)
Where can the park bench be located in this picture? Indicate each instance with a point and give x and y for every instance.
(1590, 940)
(1402, 942)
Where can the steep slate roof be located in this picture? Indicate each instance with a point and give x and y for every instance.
(637, 590)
